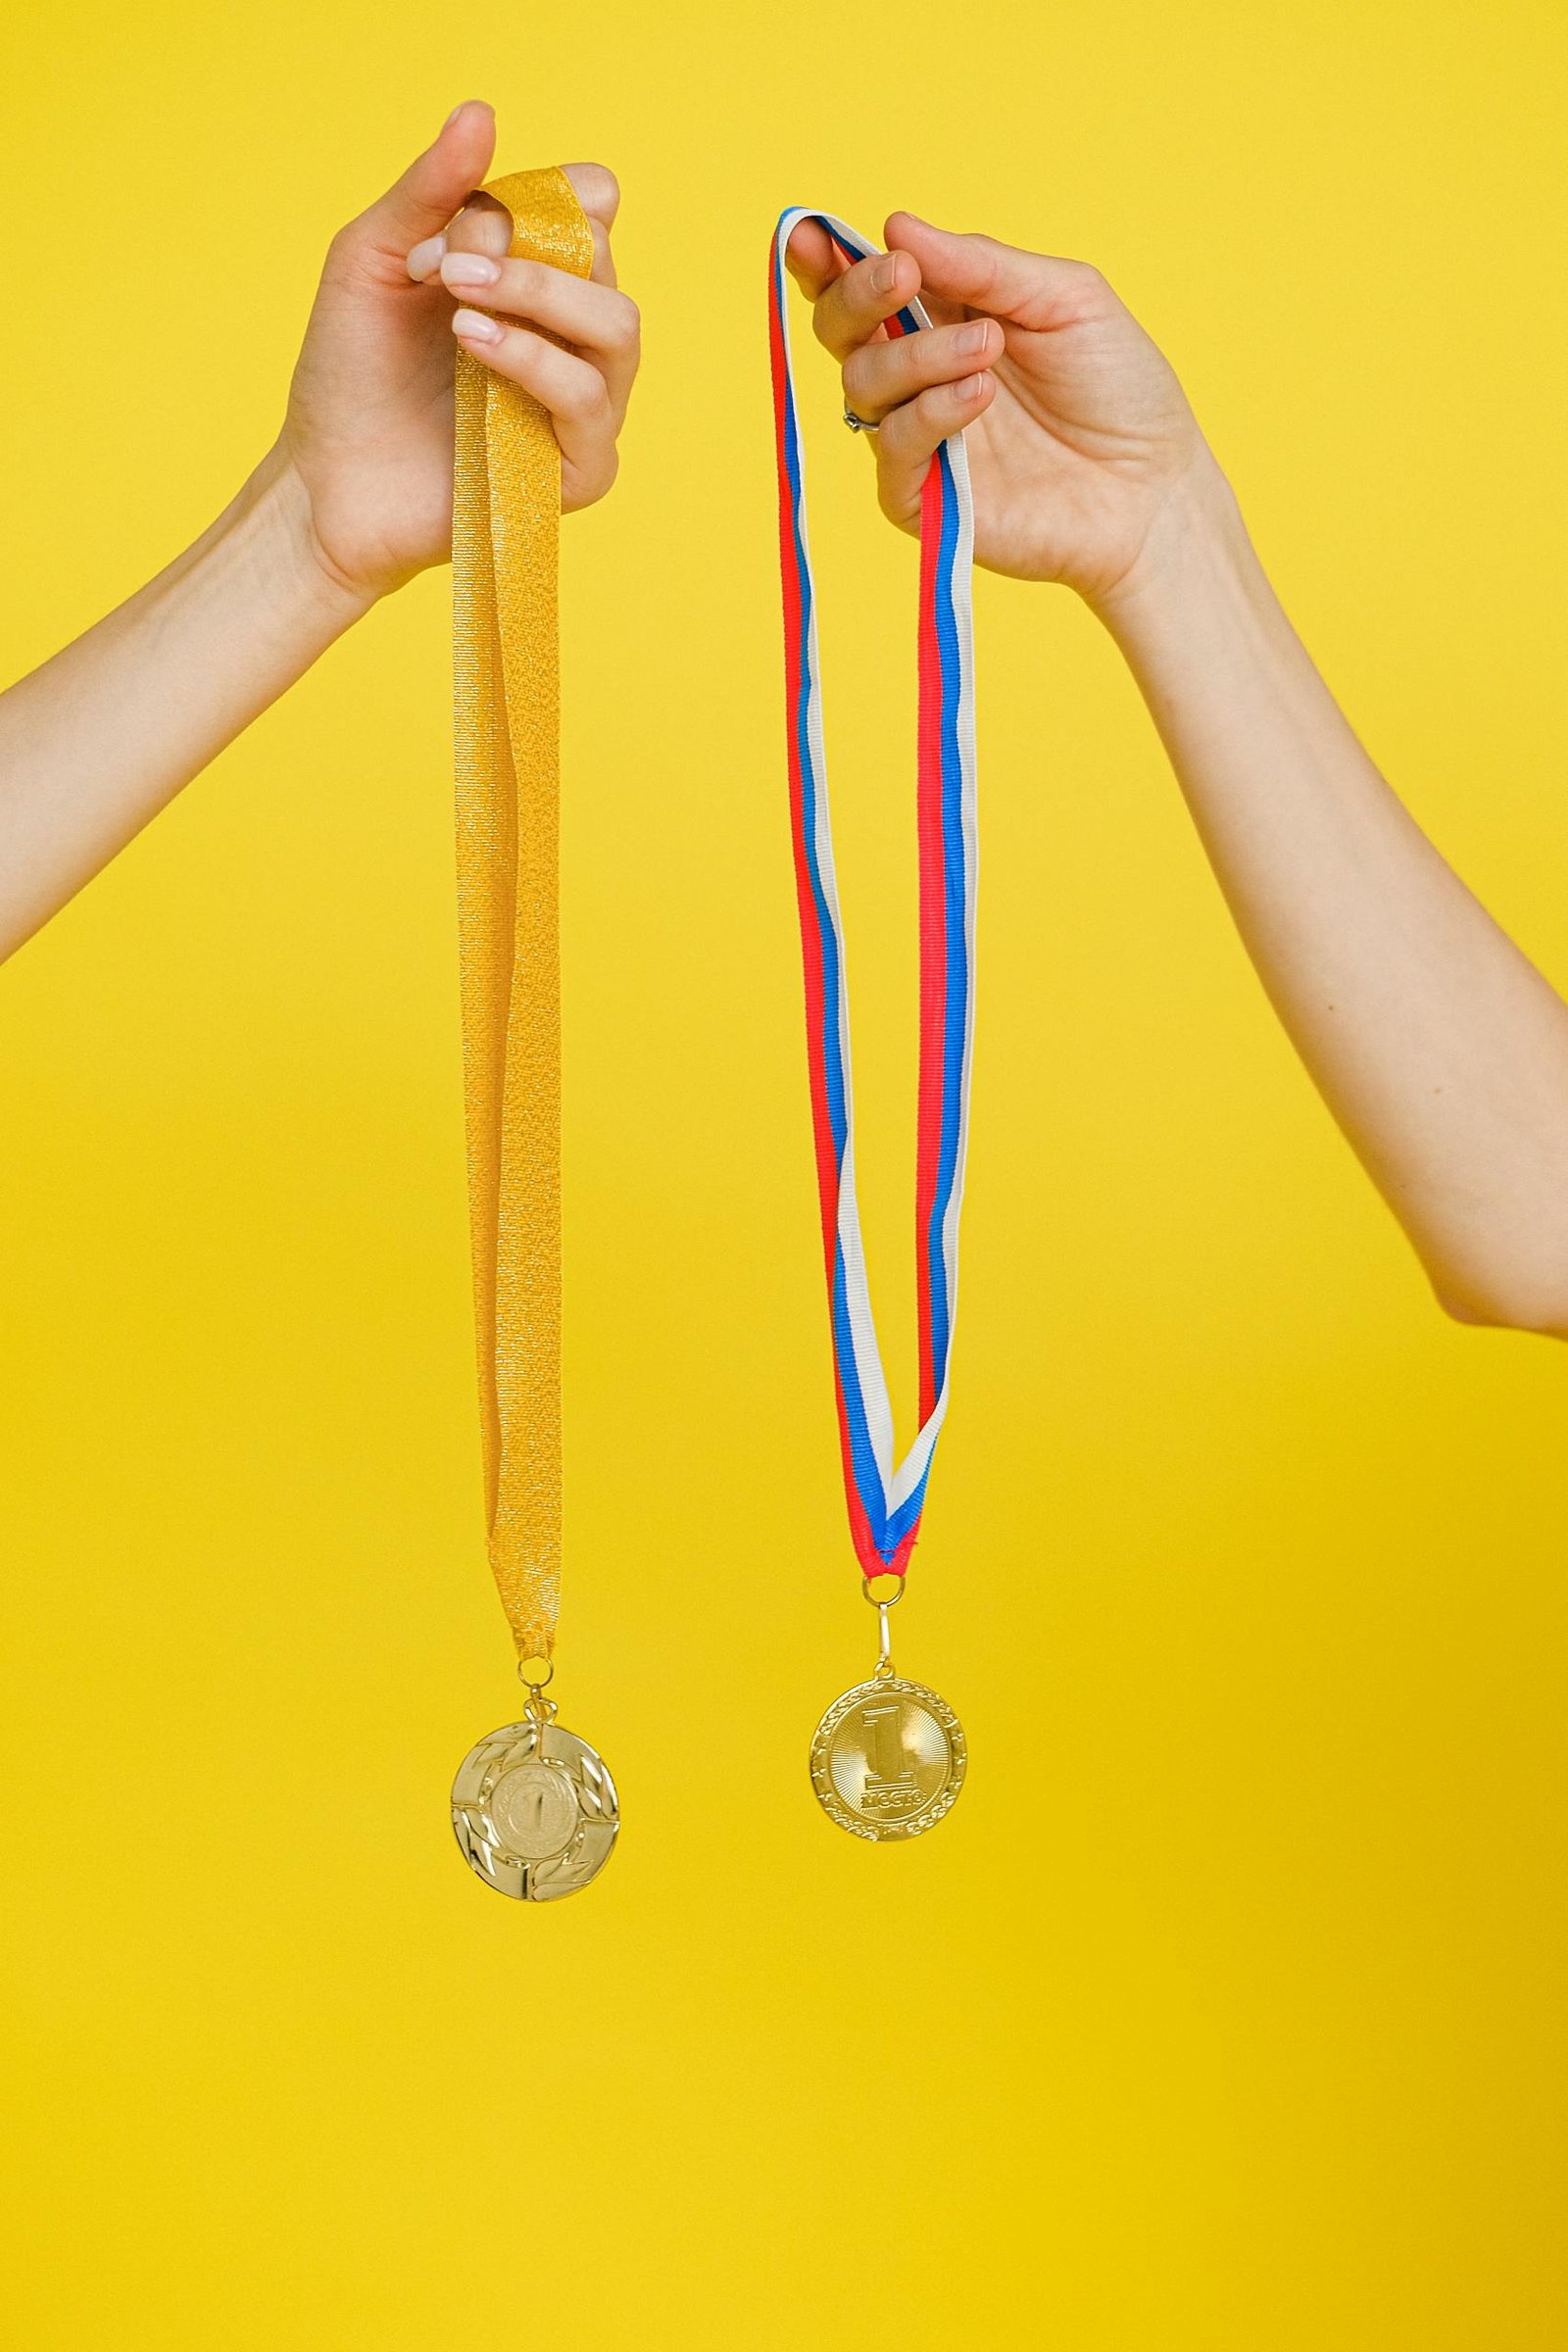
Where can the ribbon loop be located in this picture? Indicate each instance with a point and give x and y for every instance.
(885, 1500)
(506, 698)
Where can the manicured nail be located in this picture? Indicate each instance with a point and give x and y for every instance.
(883, 275)
(475, 327)
(426, 259)
(468, 270)
(969, 339)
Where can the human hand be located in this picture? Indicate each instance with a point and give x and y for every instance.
(369, 422)
(1079, 436)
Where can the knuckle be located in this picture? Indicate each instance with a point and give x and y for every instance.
(460, 230)
(598, 189)
(1084, 287)
(586, 398)
(521, 284)
(822, 325)
(891, 442)
(988, 254)
(859, 374)
(345, 254)
(894, 507)
(352, 258)
(592, 482)
(625, 326)
(860, 287)
(488, 225)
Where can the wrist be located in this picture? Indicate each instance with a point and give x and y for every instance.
(1195, 549)
(271, 521)
(1202, 632)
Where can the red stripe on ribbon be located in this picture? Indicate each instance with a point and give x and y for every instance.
(812, 944)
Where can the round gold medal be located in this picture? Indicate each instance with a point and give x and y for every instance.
(888, 1759)
(535, 1810)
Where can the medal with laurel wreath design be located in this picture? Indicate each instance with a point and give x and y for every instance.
(889, 1757)
(534, 1806)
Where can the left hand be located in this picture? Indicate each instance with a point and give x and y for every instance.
(1079, 435)
(368, 428)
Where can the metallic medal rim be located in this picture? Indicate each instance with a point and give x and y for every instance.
(585, 1853)
(938, 1807)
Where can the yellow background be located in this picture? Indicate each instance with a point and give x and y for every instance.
(1227, 2009)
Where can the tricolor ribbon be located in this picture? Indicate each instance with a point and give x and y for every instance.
(885, 1501)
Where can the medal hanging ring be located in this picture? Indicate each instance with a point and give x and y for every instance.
(888, 1757)
(534, 1806)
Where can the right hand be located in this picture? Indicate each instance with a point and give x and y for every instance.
(1079, 435)
(369, 430)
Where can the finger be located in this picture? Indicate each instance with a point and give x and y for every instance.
(880, 377)
(1035, 289)
(912, 434)
(432, 188)
(597, 190)
(485, 225)
(813, 259)
(603, 272)
(597, 319)
(855, 306)
(572, 389)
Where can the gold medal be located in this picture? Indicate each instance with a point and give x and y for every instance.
(535, 1808)
(888, 1758)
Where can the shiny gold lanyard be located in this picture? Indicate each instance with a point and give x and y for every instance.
(534, 1806)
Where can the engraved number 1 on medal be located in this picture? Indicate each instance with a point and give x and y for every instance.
(891, 1783)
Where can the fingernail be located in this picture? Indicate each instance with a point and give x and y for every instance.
(426, 259)
(456, 112)
(883, 275)
(468, 270)
(475, 327)
(968, 338)
(970, 389)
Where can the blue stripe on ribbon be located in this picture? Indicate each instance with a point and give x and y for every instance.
(862, 1455)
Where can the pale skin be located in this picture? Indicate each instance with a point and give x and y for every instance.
(351, 501)
(1439, 1048)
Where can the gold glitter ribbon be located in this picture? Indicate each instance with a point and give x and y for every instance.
(507, 692)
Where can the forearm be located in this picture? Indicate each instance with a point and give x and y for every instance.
(97, 741)
(1441, 1051)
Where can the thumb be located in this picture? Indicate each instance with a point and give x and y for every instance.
(1033, 290)
(435, 185)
